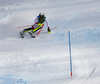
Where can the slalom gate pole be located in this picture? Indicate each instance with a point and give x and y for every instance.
(70, 53)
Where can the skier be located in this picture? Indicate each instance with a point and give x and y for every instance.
(38, 24)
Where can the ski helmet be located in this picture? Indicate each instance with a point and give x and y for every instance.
(41, 15)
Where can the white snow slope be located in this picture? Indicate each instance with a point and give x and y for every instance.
(45, 59)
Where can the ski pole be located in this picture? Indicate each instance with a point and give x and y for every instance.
(24, 26)
(39, 32)
(41, 29)
(54, 27)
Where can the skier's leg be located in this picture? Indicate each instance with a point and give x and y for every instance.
(36, 29)
(27, 30)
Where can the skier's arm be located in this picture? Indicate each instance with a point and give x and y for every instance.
(48, 26)
(47, 23)
(36, 20)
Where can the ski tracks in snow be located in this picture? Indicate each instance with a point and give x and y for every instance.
(9, 10)
(86, 70)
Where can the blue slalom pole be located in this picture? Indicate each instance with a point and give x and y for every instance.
(70, 53)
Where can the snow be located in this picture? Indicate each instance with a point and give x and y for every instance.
(45, 59)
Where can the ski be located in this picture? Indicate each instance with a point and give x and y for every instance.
(28, 33)
(21, 35)
(31, 34)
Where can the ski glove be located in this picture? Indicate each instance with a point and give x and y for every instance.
(49, 30)
(36, 22)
